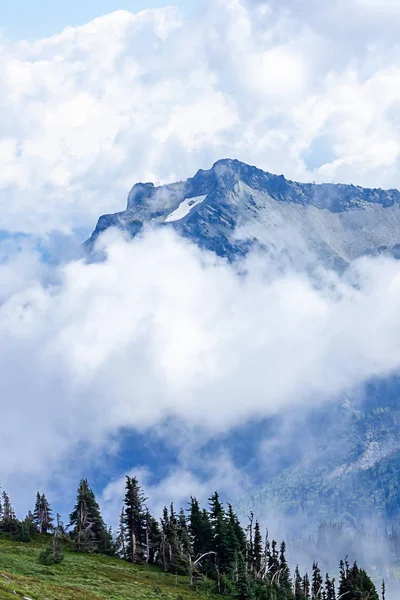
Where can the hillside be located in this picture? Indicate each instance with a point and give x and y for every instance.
(86, 577)
(356, 458)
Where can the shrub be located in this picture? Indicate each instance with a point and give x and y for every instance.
(52, 554)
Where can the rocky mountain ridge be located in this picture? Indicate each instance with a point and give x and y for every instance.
(242, 206)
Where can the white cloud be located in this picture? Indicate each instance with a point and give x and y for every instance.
(162, 330)
(91, 110)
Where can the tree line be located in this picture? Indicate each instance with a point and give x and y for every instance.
(197, 542)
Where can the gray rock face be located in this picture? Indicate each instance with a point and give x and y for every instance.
(242, 206)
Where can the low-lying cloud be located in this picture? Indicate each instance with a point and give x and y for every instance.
(162, 330)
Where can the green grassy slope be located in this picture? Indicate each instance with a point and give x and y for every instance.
(87, 577)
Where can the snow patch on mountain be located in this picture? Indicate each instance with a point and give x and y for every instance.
(375, 452)
(185, 208)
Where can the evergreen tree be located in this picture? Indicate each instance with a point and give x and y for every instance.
(297, 584)
(219, 529)
(89, 530)
(53, 553)
(235, 541)
(258, 548)
(30, 523)
(330, 588)
(266, 556)
(178, 562)
(284, 572)
(243, 583)
(273, 560)
(121, 536)
(20, 531)
(60, 524)
(200, 530)
(316, 583)
(42, 514)
(184, 536)
(135, 520)
(37, 512)
(250, 544)
(195, 526)
(165, 550)
(47, 519)
(355, 584)
(153, 538)
(8, 523)
(8, 510)
(306, 587)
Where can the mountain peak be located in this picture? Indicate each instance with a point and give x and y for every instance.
(228, 162)
(233, 206)
(139, 193)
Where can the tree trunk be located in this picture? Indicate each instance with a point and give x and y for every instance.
(133, 547)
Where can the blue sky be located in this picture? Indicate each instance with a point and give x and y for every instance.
(24, 19)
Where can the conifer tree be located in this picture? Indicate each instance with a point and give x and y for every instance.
(218, 527)
(178, 562)
(135, 520)
(30, 523)
(42, 514)
(284, 575)
(273, 560)
(316, 583)
(199, 528)
(235, 541)
(37, 512)
(81, 520)
(250, 543)
(153, 538)
(164, 543)
(297, 584)
(258, 548)
(195, 525)
(47, 519)
(8, 522)
(266, 555)
(184, 536)
(121, 536)
(8, 510)
(306, 587)
(53, 553)
(243, 584)
(330, 588)
(355, 584)
(60, 525)
(89, 530)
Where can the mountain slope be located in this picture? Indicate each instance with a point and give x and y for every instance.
(232, 206)
(350, 475)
